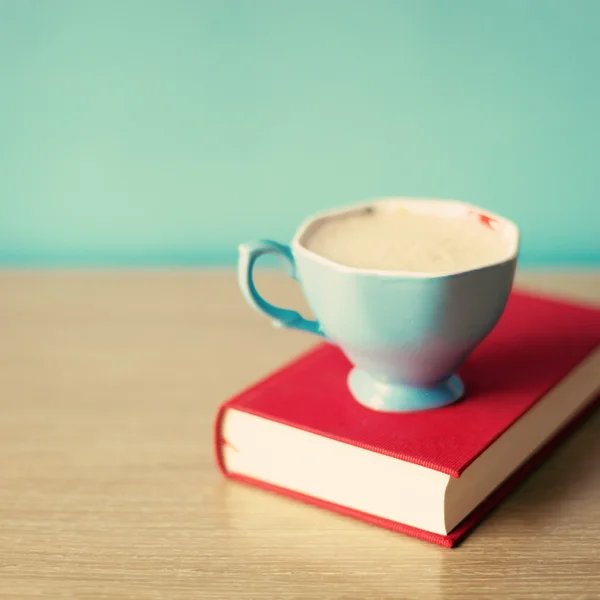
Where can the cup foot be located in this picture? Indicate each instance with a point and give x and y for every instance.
(403, 398)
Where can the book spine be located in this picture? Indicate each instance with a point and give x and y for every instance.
(219, 441)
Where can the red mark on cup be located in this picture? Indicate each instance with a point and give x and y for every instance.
(485, 220)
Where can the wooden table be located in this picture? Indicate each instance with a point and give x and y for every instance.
(108, 489)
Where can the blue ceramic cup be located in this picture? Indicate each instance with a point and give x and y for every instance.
(405, 333)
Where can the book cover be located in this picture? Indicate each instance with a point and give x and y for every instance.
(537, 342)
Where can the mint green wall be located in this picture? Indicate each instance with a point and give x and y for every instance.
(165, 132)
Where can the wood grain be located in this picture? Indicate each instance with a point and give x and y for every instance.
(108, 489)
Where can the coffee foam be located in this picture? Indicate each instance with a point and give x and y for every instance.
(399, 239)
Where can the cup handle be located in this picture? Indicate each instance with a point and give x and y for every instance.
(250, 252)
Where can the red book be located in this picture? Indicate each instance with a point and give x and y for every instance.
(433, 474)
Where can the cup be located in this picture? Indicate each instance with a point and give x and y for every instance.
(405, 333)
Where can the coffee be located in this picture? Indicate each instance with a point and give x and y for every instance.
(401, 240)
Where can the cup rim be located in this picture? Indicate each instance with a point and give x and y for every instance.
(299, 248)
